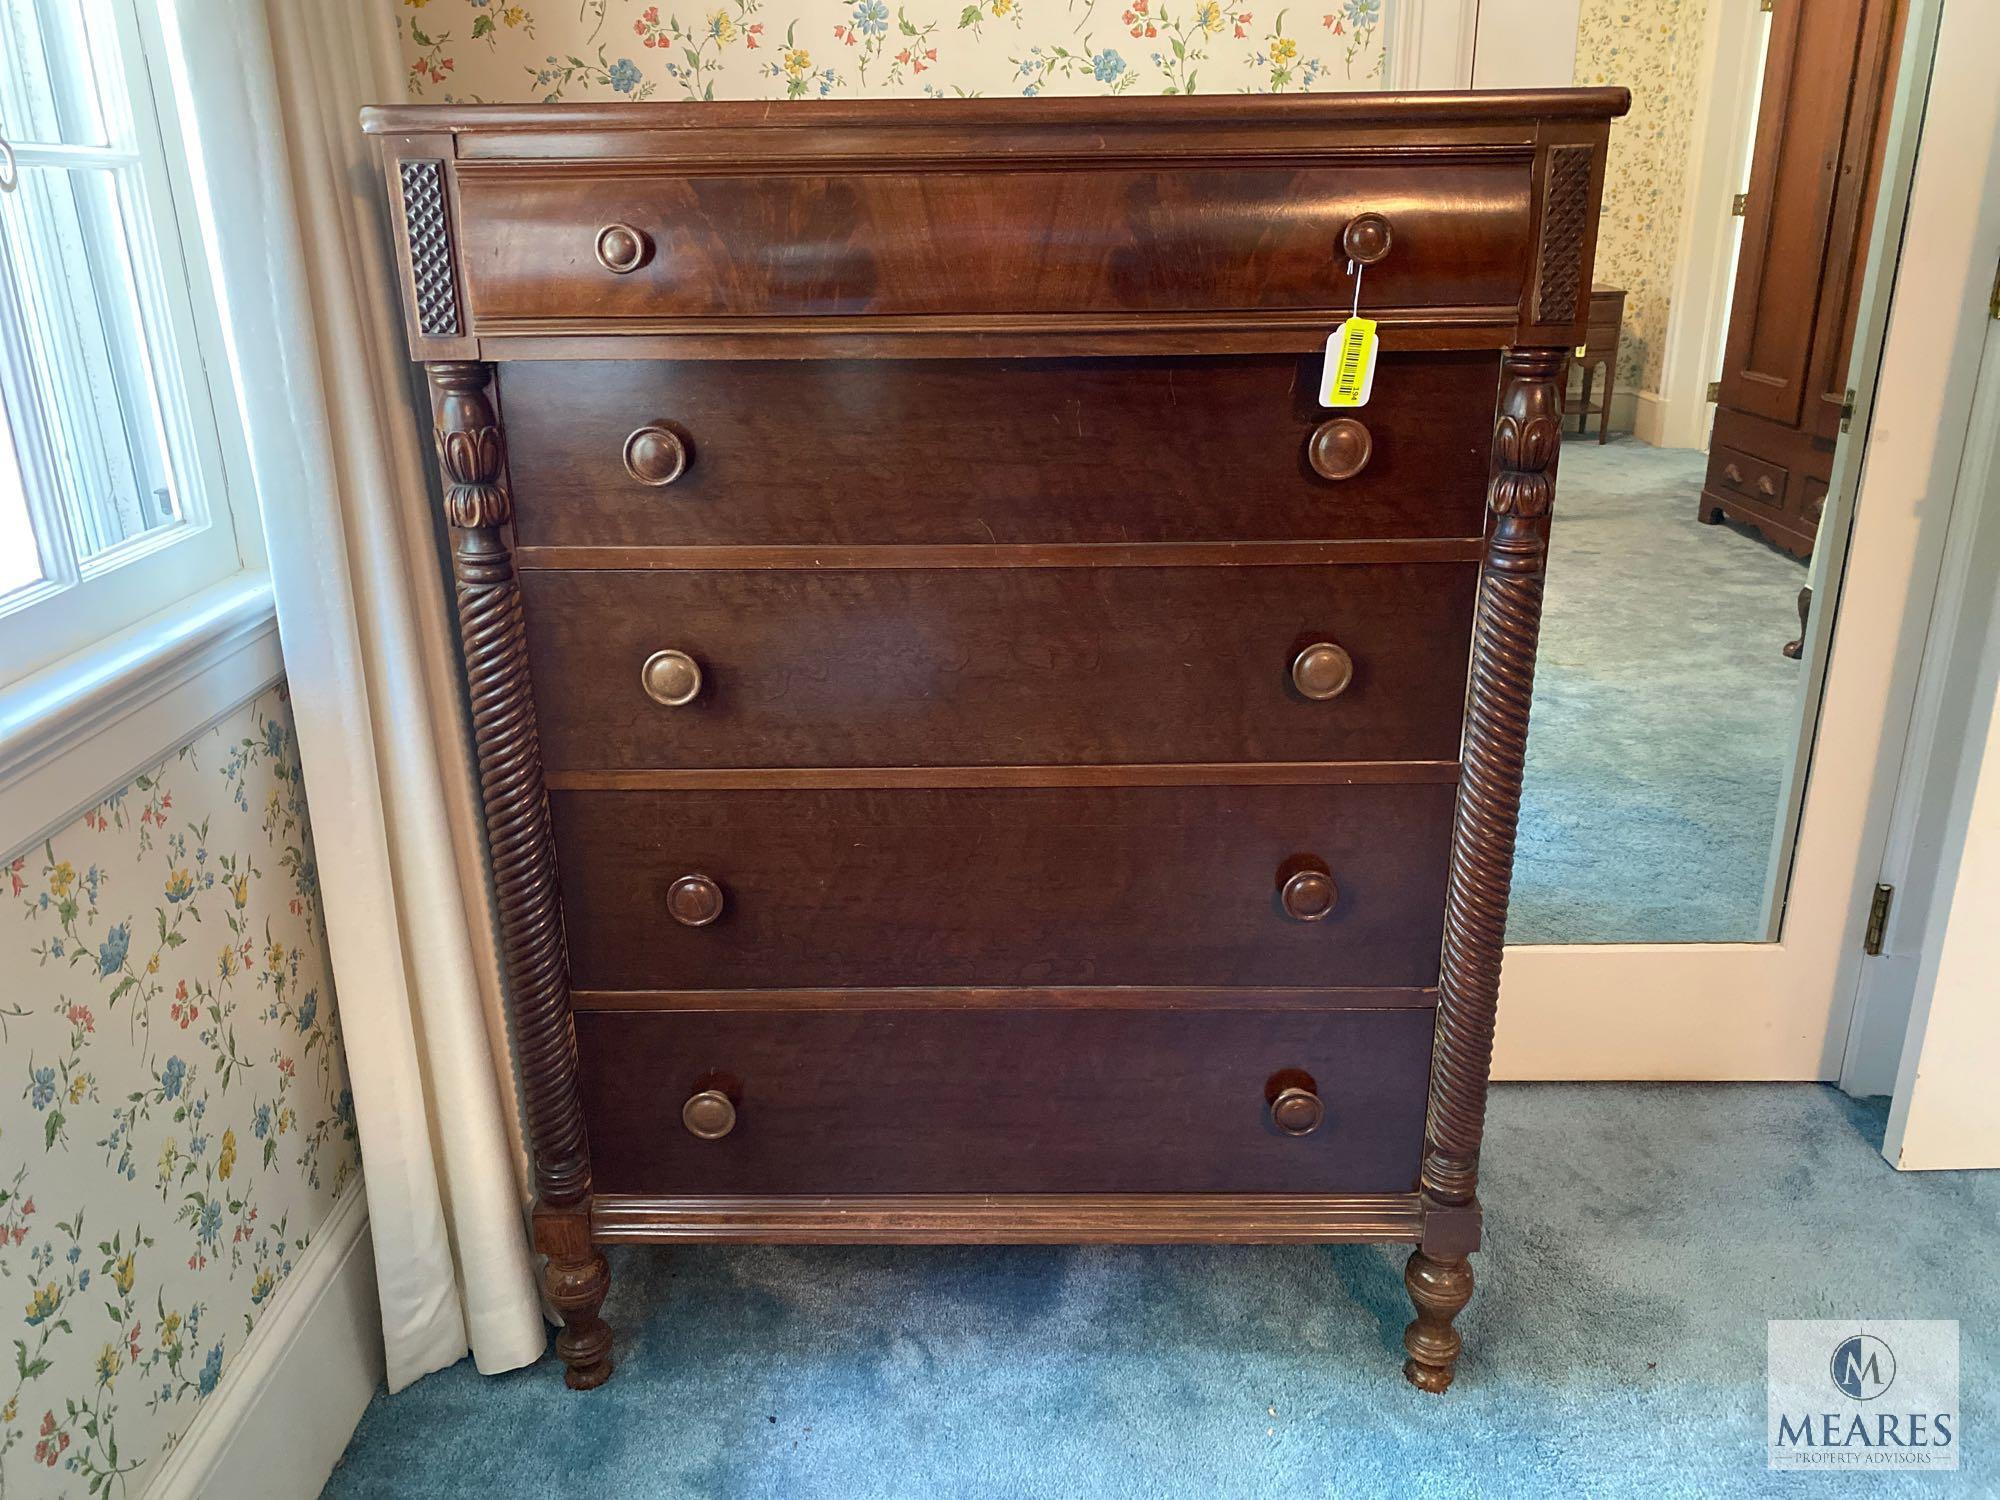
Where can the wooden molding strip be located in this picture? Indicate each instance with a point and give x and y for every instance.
(836, 778)
(786, 327)
(1013, 1219)
(707, 154)
(1104, 119)
(932, 556)
(1103, 997)
(1464, 330)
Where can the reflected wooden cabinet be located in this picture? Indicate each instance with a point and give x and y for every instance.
(971, 750)
(1815, 170)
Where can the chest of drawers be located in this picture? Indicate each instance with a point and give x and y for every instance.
(971, 750)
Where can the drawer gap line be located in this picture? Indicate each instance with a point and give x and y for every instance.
(865, 778)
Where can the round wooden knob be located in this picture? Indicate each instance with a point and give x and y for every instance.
(710, 1115)
(1339, 449)
(1367, 238)
(1323, 670)
(694, 900)
(621, 248)
(655, 455)
(671, 678)
(1308, 893)
(1297, 1111)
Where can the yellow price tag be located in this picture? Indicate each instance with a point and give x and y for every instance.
(1349, 375)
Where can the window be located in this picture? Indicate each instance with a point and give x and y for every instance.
(112, 497)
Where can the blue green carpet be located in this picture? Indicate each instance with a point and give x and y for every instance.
(1638, 1238)
(1664, 715)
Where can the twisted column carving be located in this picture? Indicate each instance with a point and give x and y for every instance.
(1527, 434)
(1526, 437)
(521, 848)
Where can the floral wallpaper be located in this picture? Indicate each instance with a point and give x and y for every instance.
(522, 50)
(174, 1115)
(1653, 48)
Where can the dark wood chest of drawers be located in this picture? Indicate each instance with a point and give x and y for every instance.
(972, 750)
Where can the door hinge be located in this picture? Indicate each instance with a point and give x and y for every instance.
(1715, 390)
(1767, 6)
(1878, 919)
(1847, 410)
(1993, 302)
(1738, 204)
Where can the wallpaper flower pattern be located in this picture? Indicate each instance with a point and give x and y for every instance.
(175, 1121)
(1653, 48)
(521, 50)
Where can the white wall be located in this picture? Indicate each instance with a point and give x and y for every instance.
(1525, 44)
(1944, 1114)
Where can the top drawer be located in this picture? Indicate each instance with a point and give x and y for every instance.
(1238, 237)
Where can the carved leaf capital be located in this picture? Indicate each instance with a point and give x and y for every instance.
(471, 459)
(470, 455)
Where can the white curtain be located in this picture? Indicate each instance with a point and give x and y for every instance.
(294, 227)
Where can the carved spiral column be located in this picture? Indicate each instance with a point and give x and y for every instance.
(1526, 437)
(522, 851)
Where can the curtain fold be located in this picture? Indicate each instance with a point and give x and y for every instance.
(292, 215)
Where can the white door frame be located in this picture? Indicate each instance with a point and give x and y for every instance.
(1429, 44)
(1931, 819)
(1943, 1115)
(1678, 414)
(1781, 1010)
(1525, 44)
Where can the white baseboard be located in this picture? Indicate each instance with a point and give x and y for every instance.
(1658, 421)
(279, 1421)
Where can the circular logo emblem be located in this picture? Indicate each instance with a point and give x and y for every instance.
(1863, 1367)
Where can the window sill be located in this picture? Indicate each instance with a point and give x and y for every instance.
(76, 731)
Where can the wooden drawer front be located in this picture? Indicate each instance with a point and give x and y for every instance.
(985, 666)
(814, 245)
(1154, 885)
(1015, 1101)
(1731, 471)
(850, 452)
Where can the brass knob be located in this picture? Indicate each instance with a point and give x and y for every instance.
(671, 678)
(710, 1115)
(1306, 889)
(694, 900)
(1323, 670)
(1339, 449)
(1731, 473)
(622, 249)
(1367, 238)
(655, 455)
(1296, 1111)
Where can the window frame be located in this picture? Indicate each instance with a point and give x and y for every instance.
(82, 604)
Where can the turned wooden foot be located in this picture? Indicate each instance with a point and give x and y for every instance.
(575, 1281)
(577, 1289)
(1439, 1289)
